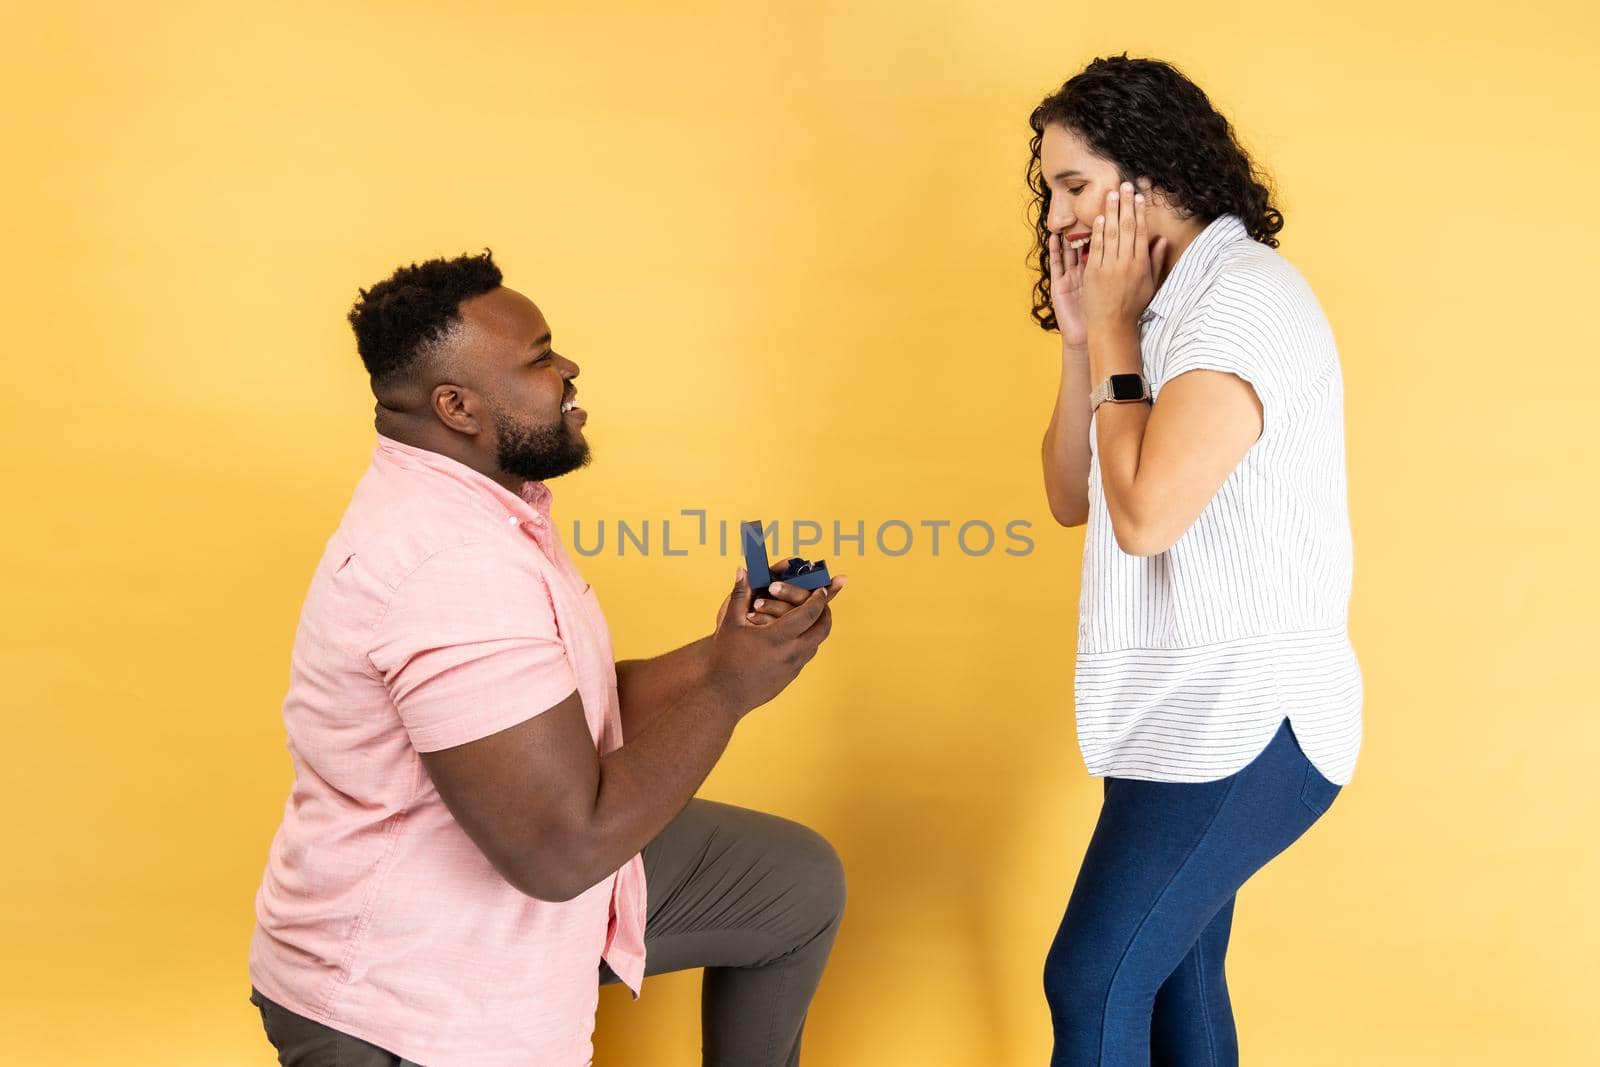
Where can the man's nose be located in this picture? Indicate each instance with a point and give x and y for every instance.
(569, 369)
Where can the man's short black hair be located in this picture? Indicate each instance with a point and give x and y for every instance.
(399, 317)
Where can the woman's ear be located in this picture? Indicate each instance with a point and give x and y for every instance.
(1155, 197)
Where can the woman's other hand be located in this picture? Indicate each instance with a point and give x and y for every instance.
(1119, 277)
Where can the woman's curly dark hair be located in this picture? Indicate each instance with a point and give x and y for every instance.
(1151, 122)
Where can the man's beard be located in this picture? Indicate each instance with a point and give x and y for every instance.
(538, 455)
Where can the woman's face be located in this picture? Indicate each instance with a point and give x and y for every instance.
(1078, 181)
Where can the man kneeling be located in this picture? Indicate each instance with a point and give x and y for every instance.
(489, 815)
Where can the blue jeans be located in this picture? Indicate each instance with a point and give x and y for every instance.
(1135, 976)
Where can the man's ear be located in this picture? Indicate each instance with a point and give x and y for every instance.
(458, 408)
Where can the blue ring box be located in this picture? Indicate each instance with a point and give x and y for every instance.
(801, 573)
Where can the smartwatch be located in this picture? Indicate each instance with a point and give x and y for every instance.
(1119, 389)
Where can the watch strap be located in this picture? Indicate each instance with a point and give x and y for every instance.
(1106, 390)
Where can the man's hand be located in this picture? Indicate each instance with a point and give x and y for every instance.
(754, 656)
(780, 599)
(775, 601)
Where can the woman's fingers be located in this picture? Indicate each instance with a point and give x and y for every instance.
(1057, 267)
(1113, 231)
(1126, 225)
(1141, 230)
(1097, 242)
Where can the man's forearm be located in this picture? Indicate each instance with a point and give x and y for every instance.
(647, 686)
(645, 784)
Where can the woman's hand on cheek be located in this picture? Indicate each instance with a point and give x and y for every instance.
(1119, 279)
(1064, 289)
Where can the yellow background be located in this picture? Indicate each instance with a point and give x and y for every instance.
(786, 244)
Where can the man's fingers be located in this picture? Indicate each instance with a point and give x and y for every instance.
(799, 619)
(776, 609)
(793, 595)
(817, 634)
(805, 644)
(739, 599)
(789, 594)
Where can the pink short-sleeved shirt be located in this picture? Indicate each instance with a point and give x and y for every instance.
(445, 609)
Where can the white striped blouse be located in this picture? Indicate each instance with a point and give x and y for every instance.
(1189, 660)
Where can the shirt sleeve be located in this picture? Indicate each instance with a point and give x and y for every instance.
(1247, 329)
(469, 647)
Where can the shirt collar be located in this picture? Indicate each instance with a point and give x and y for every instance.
(1195, 263)
(532, 504)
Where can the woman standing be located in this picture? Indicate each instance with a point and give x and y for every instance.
(1199, 432)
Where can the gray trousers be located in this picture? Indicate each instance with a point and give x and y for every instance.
(754, 899)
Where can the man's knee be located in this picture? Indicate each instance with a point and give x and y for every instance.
(793, 878)
(821, 872)
(814, 873)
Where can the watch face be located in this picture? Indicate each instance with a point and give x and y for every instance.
(1126, 387)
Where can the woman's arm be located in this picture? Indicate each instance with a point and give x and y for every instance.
(1066, 441)
(1065, 450)
(1159, 466)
